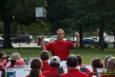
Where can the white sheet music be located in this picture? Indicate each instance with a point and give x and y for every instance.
(20, 72)
(63, 64)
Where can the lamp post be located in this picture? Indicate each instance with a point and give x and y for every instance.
(19, 37)
(40, 14)
(18, 34)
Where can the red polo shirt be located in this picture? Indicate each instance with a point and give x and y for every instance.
(46, 66)
(53, 72)
(60, 48)
(38, 76)
(74, 73)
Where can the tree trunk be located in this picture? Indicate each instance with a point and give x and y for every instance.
(81, 36)
(7, 33)
(101, 37)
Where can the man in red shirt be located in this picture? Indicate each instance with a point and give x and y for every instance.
(45, 57)
(59, 47)
(72, 71)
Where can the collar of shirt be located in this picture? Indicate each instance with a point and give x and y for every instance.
(73, 69)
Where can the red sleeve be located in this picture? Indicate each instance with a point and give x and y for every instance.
(48, 46)
(70, 44)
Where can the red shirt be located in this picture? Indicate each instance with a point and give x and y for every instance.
(53, 72)
(41, 75)
(20, 62)
(74, 73)
(46, 66)
(60, 48)
(38, 76)
(3, 63)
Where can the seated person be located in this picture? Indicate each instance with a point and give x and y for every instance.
(54, 63)
(110, 67)
(3, 63)
(3, 60)
(36, 66)
(96, 64)
(72, 62)
(80, 66)
(106, 59)
(45, 57)
(16, 60)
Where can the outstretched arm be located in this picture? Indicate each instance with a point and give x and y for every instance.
(42, 43)
(76, 44)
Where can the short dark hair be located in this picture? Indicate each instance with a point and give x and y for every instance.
(96, 63)
(36, 66)
(72, 61)
(44, 55)
(54, 64)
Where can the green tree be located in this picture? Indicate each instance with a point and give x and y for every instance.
(92, 14)
(6, 7)
(56, 13)
(22, 11)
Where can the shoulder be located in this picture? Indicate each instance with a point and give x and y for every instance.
(51, 42)
(45, 72)
(84, 74)
(42, 76)
(64, 75)
(20, 61)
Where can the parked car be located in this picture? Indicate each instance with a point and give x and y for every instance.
(73, 39)
(22, 39)
(89, 43)
(51, 38)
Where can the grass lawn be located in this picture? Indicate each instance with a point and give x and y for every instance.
(87, 54)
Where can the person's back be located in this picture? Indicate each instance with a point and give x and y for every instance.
(20, 62)
(96, 64)
(36, 65)
(53, 71)
(17, 60)
(45, 57)
(74, 73)
(46, 66)
(38, 76)
(72, 62)
(110, 68)
(81, 66)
